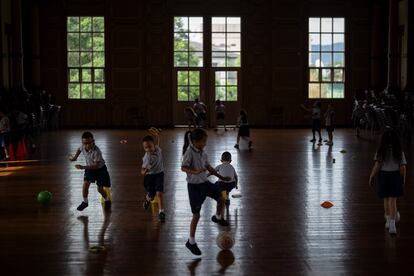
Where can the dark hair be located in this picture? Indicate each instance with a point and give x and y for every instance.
(195, 135)
(218, 102)
(87, 135)
(389, 139)
(318, 104)
(148, 138)
(226, 156)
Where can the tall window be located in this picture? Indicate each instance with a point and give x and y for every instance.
(225, 41)
(86, 57)
(188, 56)
(326, 57)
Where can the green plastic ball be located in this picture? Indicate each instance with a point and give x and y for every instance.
(44, 197)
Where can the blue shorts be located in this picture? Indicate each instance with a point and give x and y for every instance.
(100, 176)
(198, 193)
(154, 183)
(226, 186)
(390, 184)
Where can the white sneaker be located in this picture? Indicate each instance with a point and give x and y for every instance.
(392, 230)
(387, 224)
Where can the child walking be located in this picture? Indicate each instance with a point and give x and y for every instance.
(220, 114)
(316, 120)
(95, 170)
(329, 122)
(227, 170)
(195, 164)
(244, 129)
(390, 167)
(153, 171)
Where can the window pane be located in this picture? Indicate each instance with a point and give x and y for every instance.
(218, 41)
(196, 24)
(98, 24)
(220, 79)
(233, 59)
(196, 59)
(74, 91)
(314, 90)
(218, 24)
(326, 42)
(86, 24)
(339, 25)
(180, 42)
(314, 25)
(98, 42)
(180, 24)
(339, 60)
(221, 93)
(98, 59)
(233, 24)
(86, 91)
(231, 78)
(338, 91)
(339, 75)
(73, 59)
(194, 77)
(326, 25)
(314, 60)
(326, 90)
(314, 42)
(181, 59)
(99, 91)
(218, 59)
(233, 42)
(86, 59)
(182, 92)
(194, 92)
(338, 42)
(182, 78)
(196, 42)
(326, 60)
(231, 93)
(73, 41)
(85, 42)
(326, 75)
(73, 24)
(314, 75)
(73, 75)
(99, 75)
(86, 75)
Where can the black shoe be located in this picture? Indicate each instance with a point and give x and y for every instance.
(108, 205)
(250, 144)
(82, 206)
(313, 140)
(146, 204)
(320, 140)
(227, 202)
(236, 146)
(161, 216)
(193, 248)
(221, 221)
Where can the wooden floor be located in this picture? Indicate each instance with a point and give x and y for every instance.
(278, 223)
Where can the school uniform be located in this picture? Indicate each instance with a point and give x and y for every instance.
(390, 181)
(100, 175)
(198, 185)
(244, 129)
(154, 179)
(226, 170)
(329, 121)
(220, 112)
(4, 123)
(200, 110)
(316, 119)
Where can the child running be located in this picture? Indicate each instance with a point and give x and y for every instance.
(153, 171)
(390, 167)
(244, 129)
(329, 122)
(195, 164)
(95, 170)
(316, 120)
(227, 170)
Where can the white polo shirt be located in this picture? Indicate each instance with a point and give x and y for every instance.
(196, 159)
(227, 170)
(389, 164)
(153, 161)
(92, 157)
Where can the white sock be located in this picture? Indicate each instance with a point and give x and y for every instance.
(392, 222)
(387, 217)
(161, 210)
(218, 216)
(85, 199)
(191, 240)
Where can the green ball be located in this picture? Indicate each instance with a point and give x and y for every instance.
(44, 197)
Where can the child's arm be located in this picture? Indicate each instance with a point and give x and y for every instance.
(374, 172)
(403, 172)
(75, 157)
(213, 172)
(144, 171)
(236, 178)
(305, 108)
(192, 170)
(95, 166)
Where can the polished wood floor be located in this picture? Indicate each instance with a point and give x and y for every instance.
(278, 223)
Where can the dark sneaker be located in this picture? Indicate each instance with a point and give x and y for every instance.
(161, 216)
(250, 144)
(313, 140)
(221, 221)
(146, 204)
(108, 205)
(82, 206)
(227, 202)
(236, 146)
(193, 248)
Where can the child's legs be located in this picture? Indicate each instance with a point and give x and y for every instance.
(320, 136)
(102, 192)
(330, 135)
(160, 200)
(313, 133)
(238, 139)
(85, 189)
(392, 205)
(386, 208)
(193, 225)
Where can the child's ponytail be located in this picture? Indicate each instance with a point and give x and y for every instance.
(190, 136)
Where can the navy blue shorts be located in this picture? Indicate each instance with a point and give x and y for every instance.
(198, 193)
(390, 184)
(101, 176)
(201, 117)
(244, 131)
(219, 115)
(316, 125)
(154, 183)
(226, 186)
